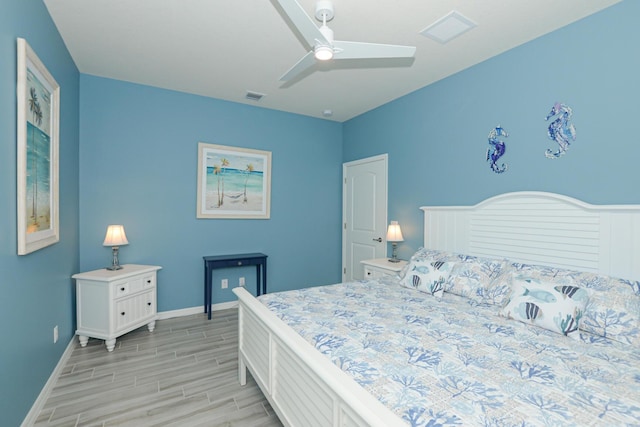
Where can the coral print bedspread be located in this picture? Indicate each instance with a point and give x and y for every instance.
(455, 362)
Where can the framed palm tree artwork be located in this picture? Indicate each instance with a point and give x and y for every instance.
(233, 182)
(38, 146)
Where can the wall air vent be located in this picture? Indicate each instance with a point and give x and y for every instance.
(254, 96)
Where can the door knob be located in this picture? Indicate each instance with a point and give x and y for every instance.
(379, 239)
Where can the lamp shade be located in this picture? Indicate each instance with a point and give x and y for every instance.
(394, 234)
(115, 236)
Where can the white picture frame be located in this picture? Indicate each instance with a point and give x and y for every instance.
(233, 182)
(37, 153)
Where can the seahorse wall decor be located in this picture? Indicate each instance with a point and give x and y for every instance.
(560, 130)
(498, 148)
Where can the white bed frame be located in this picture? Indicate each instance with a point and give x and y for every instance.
(541, 228)
(306, 389)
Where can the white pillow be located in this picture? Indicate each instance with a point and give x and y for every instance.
(556, 307)
(427, 275)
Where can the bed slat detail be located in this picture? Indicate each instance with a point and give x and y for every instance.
(624, 226)
(541, 228)
(255, 347)
(313, 403)
(348, 418)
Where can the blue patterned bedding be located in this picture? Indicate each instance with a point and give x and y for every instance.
(456, 362)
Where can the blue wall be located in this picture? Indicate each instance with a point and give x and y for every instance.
(138, 167)
(436, 137)
(36, 289)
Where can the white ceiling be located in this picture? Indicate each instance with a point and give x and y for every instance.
(222, 49)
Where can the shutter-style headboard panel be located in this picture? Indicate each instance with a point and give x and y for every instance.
(541, 228)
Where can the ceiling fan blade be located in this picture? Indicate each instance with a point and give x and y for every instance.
(303, 23)
(357, 50)
(301, 66)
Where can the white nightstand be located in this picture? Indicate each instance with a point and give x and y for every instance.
(111, 303)
(376, 268)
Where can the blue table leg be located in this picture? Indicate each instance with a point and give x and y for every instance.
(264, 280)
(206, 294)
(258, 279)
(209, 291)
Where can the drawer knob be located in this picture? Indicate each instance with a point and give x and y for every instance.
(122, 289)
(239, 262)
(122, 313)
(148, 280)
(149, 304)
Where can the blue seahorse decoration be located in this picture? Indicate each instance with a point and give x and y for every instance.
(560, 130)
(498, 147)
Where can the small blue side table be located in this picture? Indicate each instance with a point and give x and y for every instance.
(228, 261)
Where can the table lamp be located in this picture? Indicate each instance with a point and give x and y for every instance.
(115, 237)
(394, 235)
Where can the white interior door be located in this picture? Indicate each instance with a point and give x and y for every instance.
(364, 214)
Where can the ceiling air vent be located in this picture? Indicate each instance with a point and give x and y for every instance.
(254, 96)
(448, 27)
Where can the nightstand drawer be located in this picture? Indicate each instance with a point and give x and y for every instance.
(377, 268)
(375, 273)
(131, 310)
(149, 281)
(134, 285)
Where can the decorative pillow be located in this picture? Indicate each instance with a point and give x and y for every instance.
(543, 273)
(613, 317)
(472, 277)
(428, 276)
(427, 254)
(556, 307)
(559, 276)
(613, 311)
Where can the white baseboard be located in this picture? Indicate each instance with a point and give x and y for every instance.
(31, 417)
(195, 310)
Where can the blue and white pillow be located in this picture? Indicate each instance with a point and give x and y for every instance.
(423, 254)
(473, 278)
(428, 275)
(556, 307)
(613, 311)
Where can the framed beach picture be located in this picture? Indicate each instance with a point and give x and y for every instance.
(233, 182)
(38, 126)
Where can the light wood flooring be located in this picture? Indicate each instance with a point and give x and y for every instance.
(185, 373)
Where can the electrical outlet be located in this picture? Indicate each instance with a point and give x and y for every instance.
(241, 281)
(55, 334)
(225, 283)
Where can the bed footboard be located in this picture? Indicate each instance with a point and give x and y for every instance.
(302, 385)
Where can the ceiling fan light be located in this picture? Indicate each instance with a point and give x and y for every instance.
(323, 53)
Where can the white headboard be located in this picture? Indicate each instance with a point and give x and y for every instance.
(541, 228)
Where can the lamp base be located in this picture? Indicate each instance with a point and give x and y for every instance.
(115, 264)
(394, 256)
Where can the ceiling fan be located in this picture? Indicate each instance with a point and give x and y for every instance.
(325, 48)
